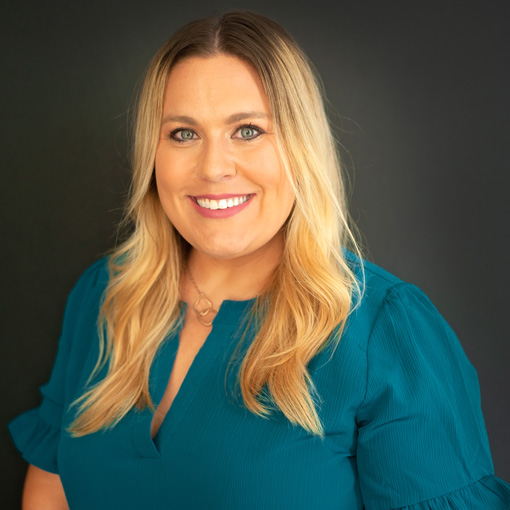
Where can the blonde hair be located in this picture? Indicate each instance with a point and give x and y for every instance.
(311, 293)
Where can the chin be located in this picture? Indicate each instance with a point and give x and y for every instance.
(222, 246)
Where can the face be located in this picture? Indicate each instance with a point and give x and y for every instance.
(219, 173)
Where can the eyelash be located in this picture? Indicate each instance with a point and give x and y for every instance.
(259, 131)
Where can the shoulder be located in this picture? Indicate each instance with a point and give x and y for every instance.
(84, 302)
(376, 288)
(91, 284)
(97, 274)
(394, 342)
(387, 314)
(402, 335)
(382, 291)
(395, 319)
(370, 276)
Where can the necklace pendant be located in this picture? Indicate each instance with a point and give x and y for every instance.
(203, 307)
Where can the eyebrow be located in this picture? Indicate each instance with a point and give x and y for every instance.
(236, 117)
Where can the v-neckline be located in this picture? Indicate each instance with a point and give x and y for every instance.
(225, 321)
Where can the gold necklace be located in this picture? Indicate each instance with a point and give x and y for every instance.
(203, 305)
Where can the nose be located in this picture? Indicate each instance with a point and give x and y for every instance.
(215, 163)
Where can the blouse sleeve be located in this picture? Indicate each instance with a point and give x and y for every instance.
(422, 443)
(36, 433)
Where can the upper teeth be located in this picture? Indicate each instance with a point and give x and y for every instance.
(224, 203)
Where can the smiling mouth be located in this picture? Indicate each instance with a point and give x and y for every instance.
(223, 203)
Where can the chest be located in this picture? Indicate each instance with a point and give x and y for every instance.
(209, 451)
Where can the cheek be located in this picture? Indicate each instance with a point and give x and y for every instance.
(167, 174)
(275, 179)
(266, 167)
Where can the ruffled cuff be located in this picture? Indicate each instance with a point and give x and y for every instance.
(488, 493)
(36, 439)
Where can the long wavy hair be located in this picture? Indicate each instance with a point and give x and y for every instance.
(312, 290)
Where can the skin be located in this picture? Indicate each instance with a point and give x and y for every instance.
(218, 108)
(43, 491)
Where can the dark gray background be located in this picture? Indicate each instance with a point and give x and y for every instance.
(420, 93)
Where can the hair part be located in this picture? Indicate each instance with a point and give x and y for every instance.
(313, 288)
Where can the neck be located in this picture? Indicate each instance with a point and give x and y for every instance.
(238, 279)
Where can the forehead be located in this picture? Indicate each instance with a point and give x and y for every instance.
(221, 84)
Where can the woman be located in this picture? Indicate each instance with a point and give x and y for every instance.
(232, 352)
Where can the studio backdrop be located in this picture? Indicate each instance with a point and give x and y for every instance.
(417, 94)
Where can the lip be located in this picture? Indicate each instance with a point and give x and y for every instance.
(221, 213)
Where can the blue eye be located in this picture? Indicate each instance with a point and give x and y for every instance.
(186, 134)
(182, 135)
(249, 132)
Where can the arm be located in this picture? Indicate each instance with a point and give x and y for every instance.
(422, 443)
(37, 432)
(43, 491)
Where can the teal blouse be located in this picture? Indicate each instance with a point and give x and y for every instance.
(400, 405)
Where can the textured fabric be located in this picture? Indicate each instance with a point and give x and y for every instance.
(400, 406)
